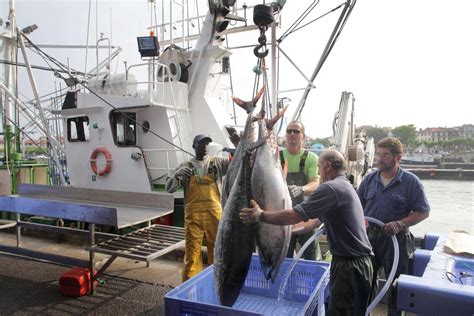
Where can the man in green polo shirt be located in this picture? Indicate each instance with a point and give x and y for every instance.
(302, 180)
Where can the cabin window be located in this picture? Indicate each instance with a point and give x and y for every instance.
(124, 128)
(78, 129)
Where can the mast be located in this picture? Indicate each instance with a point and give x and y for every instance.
(51, 141)
(9, 77)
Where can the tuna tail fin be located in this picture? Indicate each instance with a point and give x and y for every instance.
(276, 118)
(248, 106)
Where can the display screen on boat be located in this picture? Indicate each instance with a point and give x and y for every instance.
(148, 46)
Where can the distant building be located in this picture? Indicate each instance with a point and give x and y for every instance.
(435, 134)
(467, 131)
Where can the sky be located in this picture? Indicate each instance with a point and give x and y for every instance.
(406, 62)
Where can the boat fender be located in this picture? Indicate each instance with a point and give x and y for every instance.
(93, 161)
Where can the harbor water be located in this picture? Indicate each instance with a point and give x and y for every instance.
(452, 207)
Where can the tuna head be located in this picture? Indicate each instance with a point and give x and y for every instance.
(249, 137)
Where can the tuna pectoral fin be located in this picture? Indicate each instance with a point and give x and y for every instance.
(270, 271)
(259, 143)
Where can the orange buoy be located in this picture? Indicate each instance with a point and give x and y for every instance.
(108, 158)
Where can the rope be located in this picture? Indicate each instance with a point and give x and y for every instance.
(318, 18)
(266, 105)
(298, 21)
(231, 83)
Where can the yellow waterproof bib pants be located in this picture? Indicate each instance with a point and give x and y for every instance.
(202, 214)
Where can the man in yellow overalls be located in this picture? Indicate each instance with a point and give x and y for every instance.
(201, 178)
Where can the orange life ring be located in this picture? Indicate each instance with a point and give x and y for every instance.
(108, 158)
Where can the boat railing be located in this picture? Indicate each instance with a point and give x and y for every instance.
(152, 82)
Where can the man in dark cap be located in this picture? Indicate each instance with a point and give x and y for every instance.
(201, 178)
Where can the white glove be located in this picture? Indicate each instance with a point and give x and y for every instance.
(183, 173)
(296, 191)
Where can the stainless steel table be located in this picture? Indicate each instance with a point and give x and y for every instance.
(96, 207)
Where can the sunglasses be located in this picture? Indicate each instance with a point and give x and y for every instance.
(293, 131)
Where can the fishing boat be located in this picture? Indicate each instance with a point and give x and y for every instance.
(124, 131)
(420, 160)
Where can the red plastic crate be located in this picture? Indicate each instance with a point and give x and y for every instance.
(75, 282)
(164, 220)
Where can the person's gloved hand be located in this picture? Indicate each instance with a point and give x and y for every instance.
(296, 191)
(251, 215)
(233, 135)
(393, 228)
(235, 139)
(183, 173)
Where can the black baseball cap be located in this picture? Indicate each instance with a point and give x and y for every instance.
(199, 138)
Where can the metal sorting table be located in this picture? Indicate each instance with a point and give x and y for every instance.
(438, 286)
(96, 207)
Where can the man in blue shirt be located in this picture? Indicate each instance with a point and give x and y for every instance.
(397, 198)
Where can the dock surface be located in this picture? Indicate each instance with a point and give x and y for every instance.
(31, 287)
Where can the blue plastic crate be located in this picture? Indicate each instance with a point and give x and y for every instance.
(258, 296)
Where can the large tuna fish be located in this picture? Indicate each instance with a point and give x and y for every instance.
(269, 189)
(234, 166)
(235, 240)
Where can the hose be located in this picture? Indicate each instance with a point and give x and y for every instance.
(388, 283)
(281, 291)
(321, 309)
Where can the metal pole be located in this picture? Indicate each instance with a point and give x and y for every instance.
(274, 91)
(322, 59)
(171, 22)
(9, 40)
(18, 230)
(40, 108)
(91, 256)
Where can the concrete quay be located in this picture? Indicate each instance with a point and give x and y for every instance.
(30, 287)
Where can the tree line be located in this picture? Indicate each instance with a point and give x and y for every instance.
(408, 137)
